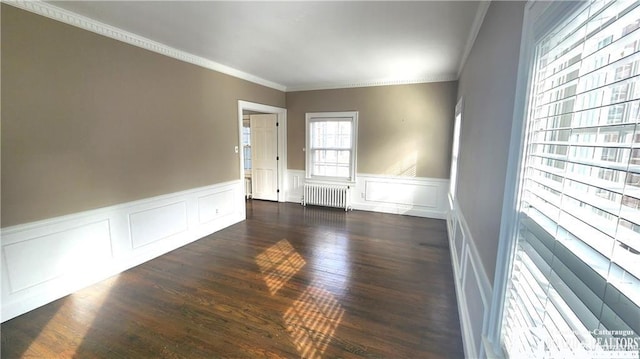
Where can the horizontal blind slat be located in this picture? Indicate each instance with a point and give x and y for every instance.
(581, 181)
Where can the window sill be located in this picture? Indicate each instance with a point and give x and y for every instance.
(330, 181)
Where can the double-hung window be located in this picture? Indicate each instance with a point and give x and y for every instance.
(331, 146)
(574, 287)
(455, 151)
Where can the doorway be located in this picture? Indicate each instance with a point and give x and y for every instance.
(260, 150)
(263, 157)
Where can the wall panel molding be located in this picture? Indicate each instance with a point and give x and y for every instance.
(473, 288)
(209, 207)
(56, 254)
(154, 224)
(414, 196)
(46, 260)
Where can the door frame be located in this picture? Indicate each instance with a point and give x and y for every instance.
(281, 114)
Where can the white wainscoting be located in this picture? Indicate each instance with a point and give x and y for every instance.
(295, 179)
(46, 260)
(473, 287)
(415, 196)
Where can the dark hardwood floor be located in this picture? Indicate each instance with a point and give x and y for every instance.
(289, 282)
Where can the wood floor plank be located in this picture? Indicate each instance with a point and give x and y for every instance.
(289, 282)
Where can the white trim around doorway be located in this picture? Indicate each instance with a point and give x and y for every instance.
(281, 113)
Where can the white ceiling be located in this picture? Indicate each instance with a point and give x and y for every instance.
(307, 45)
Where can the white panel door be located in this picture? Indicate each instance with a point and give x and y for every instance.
(264, 153)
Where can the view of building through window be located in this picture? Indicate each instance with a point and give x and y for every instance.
(575, 277)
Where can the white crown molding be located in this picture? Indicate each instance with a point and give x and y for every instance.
(483, 6)
(53, 12)
(342, 85)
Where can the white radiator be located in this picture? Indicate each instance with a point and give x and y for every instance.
(326, 195)
(247, 187)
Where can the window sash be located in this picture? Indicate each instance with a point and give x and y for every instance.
(331, 134)
(331, 146)
(331, 162)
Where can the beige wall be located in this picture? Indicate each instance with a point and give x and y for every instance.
(88, 121)
(402, 130)
(487, 86)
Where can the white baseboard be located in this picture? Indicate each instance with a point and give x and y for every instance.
(415, 196)
(46, 260)
(473, 288)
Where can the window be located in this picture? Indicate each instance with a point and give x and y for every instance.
(574, 285)
(455, 151)
(331, 146)
(246, 146)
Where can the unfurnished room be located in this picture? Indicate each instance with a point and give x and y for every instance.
(320, 179)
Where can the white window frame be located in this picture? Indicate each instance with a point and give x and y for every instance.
(312, 117)
(531, 29)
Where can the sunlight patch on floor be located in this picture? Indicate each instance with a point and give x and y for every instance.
(278, 264)
(312, 321)
(83, 307)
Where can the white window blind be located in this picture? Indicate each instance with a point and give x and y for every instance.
(574, 289)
